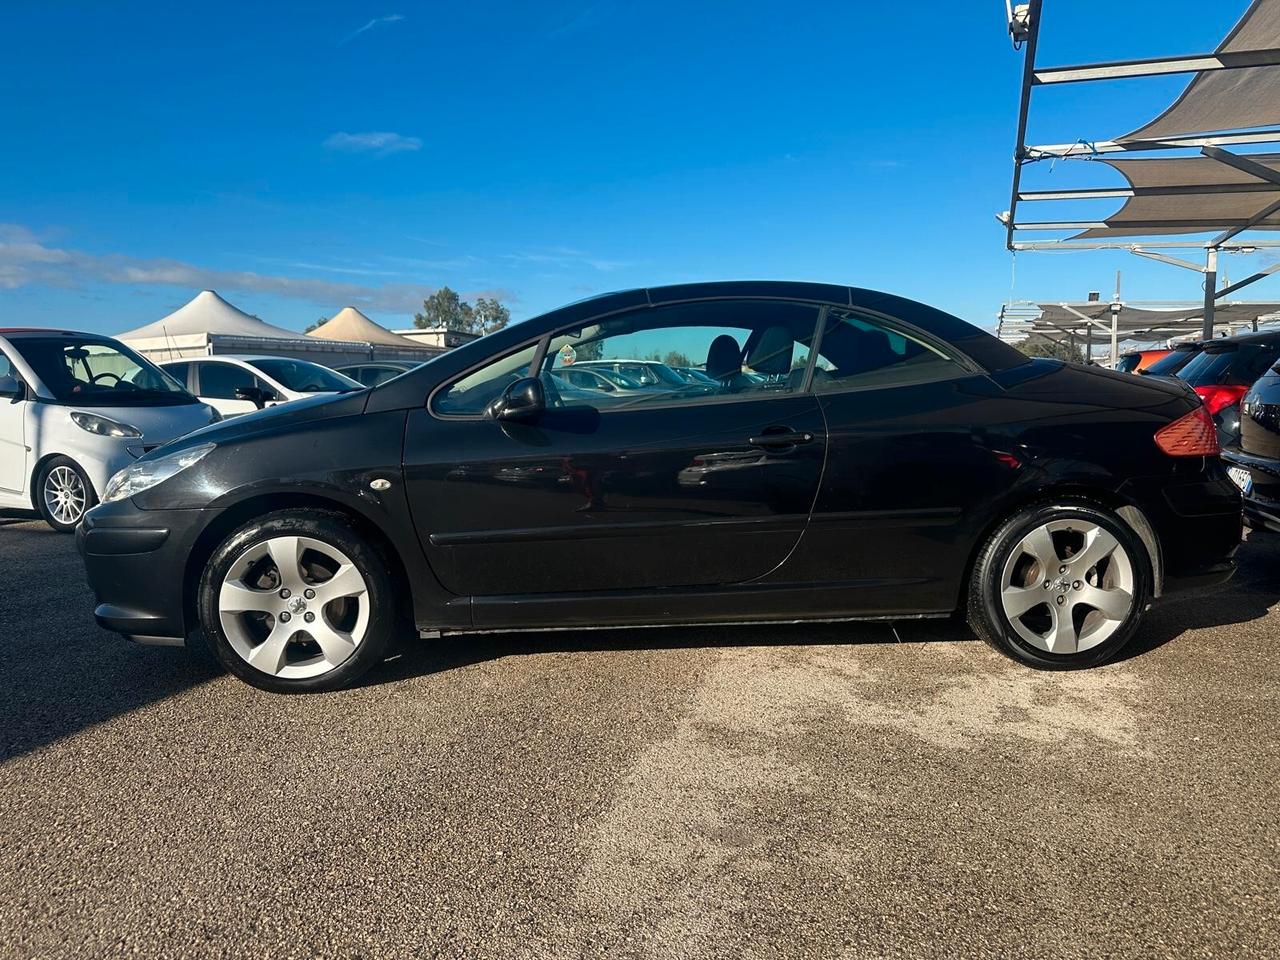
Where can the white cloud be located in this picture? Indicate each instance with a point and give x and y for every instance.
(380, 142)
(565, 257)
(25, 260)
(376, 21)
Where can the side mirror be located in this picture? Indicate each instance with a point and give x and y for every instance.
(523, 400)
(11, 388)
(254, 395)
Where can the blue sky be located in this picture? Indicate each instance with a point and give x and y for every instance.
(298, 157)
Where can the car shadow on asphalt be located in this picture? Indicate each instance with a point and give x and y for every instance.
(59, 671)
(1248, 596)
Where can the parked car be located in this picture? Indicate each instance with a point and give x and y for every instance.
(241, 384)
(1222, 373)
(646, 373)
(375, 372)
(471, 495)
(74, 409)
(1139, 360)
(602, 379)
(694, 375)
(1255, 465)
(1178, 357)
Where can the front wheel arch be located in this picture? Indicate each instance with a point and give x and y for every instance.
(241, 513)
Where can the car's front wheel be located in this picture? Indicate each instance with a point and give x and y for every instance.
(298, 602)
(1060, 586)
(63, 493)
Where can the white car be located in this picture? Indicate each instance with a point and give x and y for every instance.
(74, 409)
(241, 384)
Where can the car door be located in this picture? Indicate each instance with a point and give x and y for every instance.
(633, 490)
(917, 455)
(14, 458)
(216, 383)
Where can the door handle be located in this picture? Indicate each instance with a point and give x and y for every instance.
(782, 438)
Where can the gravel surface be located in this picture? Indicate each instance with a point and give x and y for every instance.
(811, 791)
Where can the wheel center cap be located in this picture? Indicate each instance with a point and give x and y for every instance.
(296, 605)
(1063, 585)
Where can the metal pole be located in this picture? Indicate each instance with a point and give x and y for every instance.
(1024, 106)
(1210, 289)
(1088, 344)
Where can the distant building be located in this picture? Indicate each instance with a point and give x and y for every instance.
(438, 338)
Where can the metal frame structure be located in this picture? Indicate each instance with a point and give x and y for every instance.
(1024, 26)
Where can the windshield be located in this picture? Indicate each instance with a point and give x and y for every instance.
(303, 376)
(97, 372)
(1129, 362)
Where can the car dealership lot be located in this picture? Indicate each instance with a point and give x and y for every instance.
(753, 791)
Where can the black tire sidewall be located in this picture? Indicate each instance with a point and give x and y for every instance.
(991, 572)
(329, 528)
(90, 495)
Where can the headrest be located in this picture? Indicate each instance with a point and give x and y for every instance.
(772, 353)
(724, 358)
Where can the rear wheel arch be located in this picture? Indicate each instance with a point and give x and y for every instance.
(1128, 511)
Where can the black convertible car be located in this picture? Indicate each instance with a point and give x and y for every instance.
(858, 456)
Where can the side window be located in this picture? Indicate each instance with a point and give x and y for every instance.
(219, 381)
(6, 368)
(858, 351)
(178, 371)
(473, 392)
(744, 349)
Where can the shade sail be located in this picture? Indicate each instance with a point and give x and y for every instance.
(208, 313)
(352, 325)
(1230, 197)
(1133, 323)
(1228, 99)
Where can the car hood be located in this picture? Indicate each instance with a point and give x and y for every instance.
(313, 407)
(158, 424)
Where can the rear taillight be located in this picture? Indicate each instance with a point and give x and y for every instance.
(1191, 436)
(1218, 398)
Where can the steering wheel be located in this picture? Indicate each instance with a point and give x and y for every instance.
(106, 373)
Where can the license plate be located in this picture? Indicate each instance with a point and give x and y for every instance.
(1243, 479)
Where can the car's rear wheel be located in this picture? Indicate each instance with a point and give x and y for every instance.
(297, 602)
(63, 494)
(1060, 586)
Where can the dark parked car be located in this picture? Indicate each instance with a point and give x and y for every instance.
(1222, 373)
(888, 460)
(1139, 360)
(1255, 466)
(1173, 361)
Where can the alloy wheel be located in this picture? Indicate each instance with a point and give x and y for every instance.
(65, 495)
(1067, 586)
(294, 607)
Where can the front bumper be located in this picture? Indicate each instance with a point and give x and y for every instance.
(136, 562)
(1262, 503)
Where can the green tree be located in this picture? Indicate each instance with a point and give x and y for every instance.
(489, 315)
(675, 358)
(445, 308)
(592, 350)
(318, 323)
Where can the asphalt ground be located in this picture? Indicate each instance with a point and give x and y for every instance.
(797, 791)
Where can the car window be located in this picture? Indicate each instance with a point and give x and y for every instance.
(744, 349)
(376, 375)
(471, 393)
(1172, 362)
(84, 370)
(303, 376)
(859, 352)
(1129, 362)
(1230, 364)
(178, 371)
(219, 381)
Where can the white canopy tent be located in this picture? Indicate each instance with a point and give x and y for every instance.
(189, 327)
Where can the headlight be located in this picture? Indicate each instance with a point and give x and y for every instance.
(103, 426)
(145, 474)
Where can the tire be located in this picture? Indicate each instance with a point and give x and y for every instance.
(254, 617)
(1071, 586)
(63, 494)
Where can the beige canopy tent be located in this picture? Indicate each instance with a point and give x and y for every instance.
(352, 325)
(1231, 101)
